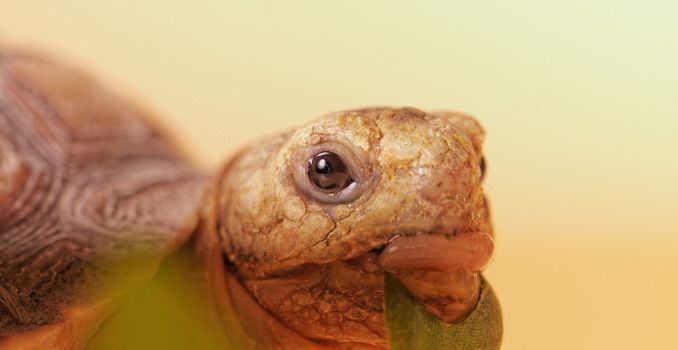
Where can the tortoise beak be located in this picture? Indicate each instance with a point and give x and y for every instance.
(438, 252)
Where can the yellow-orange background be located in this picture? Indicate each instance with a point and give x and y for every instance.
(580, 100)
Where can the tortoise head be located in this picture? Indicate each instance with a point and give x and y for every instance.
(310, 220)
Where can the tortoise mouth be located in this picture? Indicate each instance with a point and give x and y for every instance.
(437, 252)
(440, 269)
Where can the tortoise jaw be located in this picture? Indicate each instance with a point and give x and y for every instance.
(338, 302)
(343, 301)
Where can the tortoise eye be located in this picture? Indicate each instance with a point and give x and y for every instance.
(329, 173)
(483, 168)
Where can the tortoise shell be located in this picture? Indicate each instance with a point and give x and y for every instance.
(92, 196)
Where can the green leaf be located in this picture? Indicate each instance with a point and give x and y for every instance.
(410, 326)
(162, 314)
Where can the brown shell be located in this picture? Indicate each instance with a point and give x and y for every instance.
(91, 195)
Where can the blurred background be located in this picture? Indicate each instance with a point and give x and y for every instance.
(579, 98)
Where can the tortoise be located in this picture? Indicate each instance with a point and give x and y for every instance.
(297, 238)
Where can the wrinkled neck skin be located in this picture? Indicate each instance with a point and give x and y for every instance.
(315, 264)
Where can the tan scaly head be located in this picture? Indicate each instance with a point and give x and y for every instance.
(309, 221)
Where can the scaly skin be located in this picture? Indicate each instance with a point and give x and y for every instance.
(316, 267)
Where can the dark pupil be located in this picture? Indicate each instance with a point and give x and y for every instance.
(328, 172)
